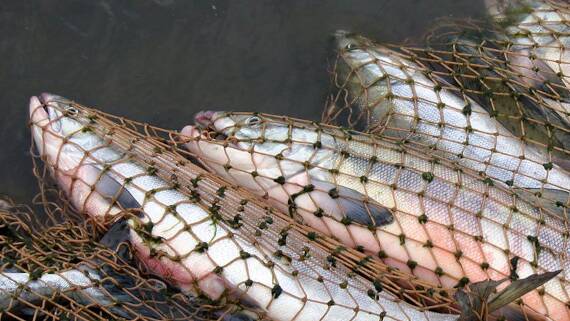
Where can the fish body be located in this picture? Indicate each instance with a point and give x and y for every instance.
(67, 282)
(21, 293)
(188, 245)
(518, 68)
(543, 35)
(539, 27)
(525, 95)
(448, 226)
(399, 101)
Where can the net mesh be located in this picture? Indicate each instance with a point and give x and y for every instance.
(445, 224)
(508, 77)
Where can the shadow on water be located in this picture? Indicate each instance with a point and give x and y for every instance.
(162, 61)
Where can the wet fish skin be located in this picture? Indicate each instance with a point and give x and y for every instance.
(192, 246)
(450, 226)
(547, 27)
(74, 283)
(406, 105)
(532, 43)
(511, 88)
(50, 126)
(541, 27)
(83, 286)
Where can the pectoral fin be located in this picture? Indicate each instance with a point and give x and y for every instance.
(536, 73)
(354, 206)
(117, 234)
(516, 290)
(108, 187)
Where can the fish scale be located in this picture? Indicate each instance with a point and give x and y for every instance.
(449, 224)
(195, 240)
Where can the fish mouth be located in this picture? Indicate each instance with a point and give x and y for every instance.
(38, 110)
(44, 99)
(204, 120)
(39, 121)
(39, 106)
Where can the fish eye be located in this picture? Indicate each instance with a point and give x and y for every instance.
(253, 121)
(71, 111)
(350, 46)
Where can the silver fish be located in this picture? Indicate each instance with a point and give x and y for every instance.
(407, 105)
(22, 293)
(18, 287)
(420, 214)
(520, 68)
(537, 27)
(189, 245)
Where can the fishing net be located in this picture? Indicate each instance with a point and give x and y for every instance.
(461, 179)
(490, 97)
(196, 231)
(59, 272)
(209, 230)
(422, 214)
(514, 69)
(475, 86)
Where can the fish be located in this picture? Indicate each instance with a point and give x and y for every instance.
(540, 35)
(93, 282)
(448, 225)
(405, 104)
(191, 246)
(536, 27)
(517, 67)
(21, 294)
(68, 282)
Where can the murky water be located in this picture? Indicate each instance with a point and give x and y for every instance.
(162, 61)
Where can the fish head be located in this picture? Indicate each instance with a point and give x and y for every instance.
(261, 152)
(230, 139)
(366, 75)
(253, 141)
(243, 129)
(59, 130)
(352, 54)
(347, 41)
(360, 57)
